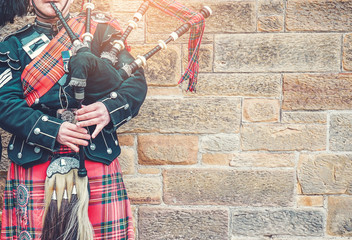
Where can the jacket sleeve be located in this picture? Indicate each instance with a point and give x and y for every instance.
(124, 103)
(16, 117)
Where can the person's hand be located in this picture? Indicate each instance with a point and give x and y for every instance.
(72, 136)
(93, 114)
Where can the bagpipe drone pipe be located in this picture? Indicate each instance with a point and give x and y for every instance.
(92, 78)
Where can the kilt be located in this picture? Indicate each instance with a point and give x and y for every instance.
(109, 207)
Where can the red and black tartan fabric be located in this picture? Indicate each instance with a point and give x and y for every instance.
(196, 20)
(109, 207)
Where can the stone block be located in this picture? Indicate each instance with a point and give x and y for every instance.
(310, 201)
(304, 117)
(149, 171)
(153, 38)
(325, 173)
(178, 223)
(290, 222)
(283, 137)
(118, 6)
(347, 52)
(3, 177)
(317, 91)
(239, 16)
(298, 52)
(271, 24)
(261, 110)
(232, 17)
(126, 140)
(339, 221)
(187, 115)
(5, 138)
(164, 68)
(340, 132)
(167, 149)
(238, 188)
(134, 210)
(220, 143)
(262, 159)
(126, 160)
(329, 15)
(270, 7)
(5, 161)
(205, 57)
(250, 85)
(159, 22)
(216, 159)
(143, 190)
(137, 35)
(164, 91)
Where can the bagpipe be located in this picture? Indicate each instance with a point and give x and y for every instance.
(90, 76)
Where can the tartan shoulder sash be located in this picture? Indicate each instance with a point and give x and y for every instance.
(47, 68)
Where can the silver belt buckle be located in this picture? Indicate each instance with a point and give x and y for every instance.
(62, 165)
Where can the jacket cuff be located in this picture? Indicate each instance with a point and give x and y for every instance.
(44, 132)
(119, 110)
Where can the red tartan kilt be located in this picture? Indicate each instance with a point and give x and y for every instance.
(109, 208)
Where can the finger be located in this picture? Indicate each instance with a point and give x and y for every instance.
(86, 109)
(75, 140)
(97, 130)
(88, 123)
(74, 128)
(77, 135)
(87, 116)
(73, 147)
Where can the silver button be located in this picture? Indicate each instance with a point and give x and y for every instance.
(129, 118)
(19, 155)
(116, 142)
(113, 95)
(109, 150)
(36, 131)
(37, 150)
(45, 118)
(36, 101)
(92, 147)
(127, 106)
(11, 147)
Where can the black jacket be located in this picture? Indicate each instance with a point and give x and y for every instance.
(35, 128)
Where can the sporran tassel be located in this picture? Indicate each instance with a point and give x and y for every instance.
(66, 208)
(85, 228)
(72, 222)
(64, 215)
(51, 214)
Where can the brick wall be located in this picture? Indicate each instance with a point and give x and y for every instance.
(263, 150)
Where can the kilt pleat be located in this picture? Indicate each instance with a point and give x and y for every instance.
(109, 207)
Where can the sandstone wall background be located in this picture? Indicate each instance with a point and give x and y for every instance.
(263, 150)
